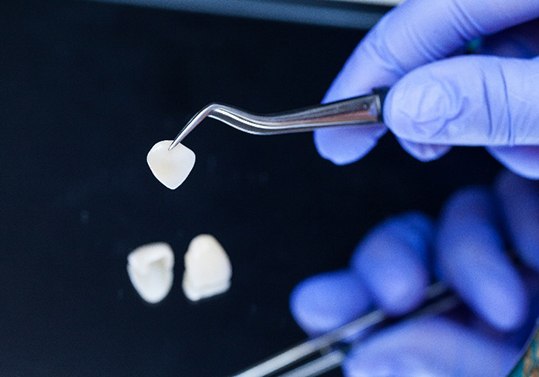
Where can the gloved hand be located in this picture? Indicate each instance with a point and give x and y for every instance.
(439, 99)
(466, 248)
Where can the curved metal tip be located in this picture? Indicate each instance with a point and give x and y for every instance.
(175, 142)
(363, 110)
(190, 126)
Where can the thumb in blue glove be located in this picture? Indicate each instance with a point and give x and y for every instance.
(474, 100)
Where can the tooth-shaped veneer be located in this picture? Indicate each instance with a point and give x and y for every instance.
(171, 168)
(207, 268)
(150, 269)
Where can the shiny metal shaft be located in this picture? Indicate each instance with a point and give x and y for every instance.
(438, 300)
(364, 110)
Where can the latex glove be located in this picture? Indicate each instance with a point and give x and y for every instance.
(435, 101)
(392, 266)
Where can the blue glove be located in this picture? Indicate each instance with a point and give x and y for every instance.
(394, 263)
(437, 101)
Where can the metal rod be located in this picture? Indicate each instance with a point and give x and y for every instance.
(437, 300)
(363, 110)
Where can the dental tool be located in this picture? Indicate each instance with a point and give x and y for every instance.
(363, 111)
(330, 349)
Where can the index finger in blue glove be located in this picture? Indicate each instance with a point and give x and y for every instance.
(392, 261)
(326, 301)
(471, 258)
(422, 31)
(414, 33)
(519, 199)
(422, 151)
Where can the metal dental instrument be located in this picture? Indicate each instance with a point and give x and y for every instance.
(364, 110)
(330, 347)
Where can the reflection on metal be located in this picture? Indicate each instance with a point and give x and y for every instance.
(363, 110)
(357, 14)
(329, 349)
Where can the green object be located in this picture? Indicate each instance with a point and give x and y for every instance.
(528, 365)
(473, 46)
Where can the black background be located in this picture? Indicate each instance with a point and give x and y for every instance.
(85, 90)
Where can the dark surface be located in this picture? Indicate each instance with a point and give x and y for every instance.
(86, 90)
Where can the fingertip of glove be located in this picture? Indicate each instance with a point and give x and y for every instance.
(471, 256)
(521, 160)
(506, 309)
(326, 301)
(498, 295)
(419, 106)
(405, 293)
(424, 152)
(344, 146)
(519, 199)
(398, 244)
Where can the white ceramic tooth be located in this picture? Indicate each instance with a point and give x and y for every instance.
(150, 269)
(172, 167)
(207, 268)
